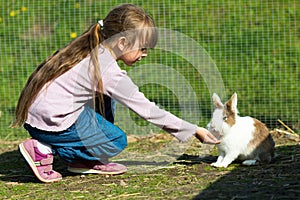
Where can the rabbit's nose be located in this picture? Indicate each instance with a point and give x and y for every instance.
(212, 125)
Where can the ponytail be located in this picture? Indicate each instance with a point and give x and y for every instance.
(59, 63)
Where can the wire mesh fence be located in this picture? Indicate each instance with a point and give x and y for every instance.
(223, 46)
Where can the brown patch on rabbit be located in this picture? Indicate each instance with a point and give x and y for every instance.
(260, 133)
(262, 142)
(229, 113)
(230, 110)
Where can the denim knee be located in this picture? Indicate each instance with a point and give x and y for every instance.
(122, 141)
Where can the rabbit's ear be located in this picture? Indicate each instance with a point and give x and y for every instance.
(217, 101)
(232, 103)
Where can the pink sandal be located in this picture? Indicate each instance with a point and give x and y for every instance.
(40, 164)
(96, 167)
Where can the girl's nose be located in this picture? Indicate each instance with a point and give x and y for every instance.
(144, 54)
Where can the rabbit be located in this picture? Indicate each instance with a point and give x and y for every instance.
(242, 138)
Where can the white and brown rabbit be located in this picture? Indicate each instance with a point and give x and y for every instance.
(242, 138)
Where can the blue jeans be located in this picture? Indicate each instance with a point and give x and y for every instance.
(91, 137)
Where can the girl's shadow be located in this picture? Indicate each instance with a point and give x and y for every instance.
(186, 159)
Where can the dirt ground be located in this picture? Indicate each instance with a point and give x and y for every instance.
(278, 180)
(189, 176)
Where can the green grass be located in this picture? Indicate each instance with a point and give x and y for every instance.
(18, 182)
(189, 177)
(254, 44)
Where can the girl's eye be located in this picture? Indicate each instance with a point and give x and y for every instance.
(143, 49)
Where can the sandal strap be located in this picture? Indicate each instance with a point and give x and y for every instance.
(45, 161)
(48, 168)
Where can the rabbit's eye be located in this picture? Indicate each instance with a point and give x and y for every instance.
(225, 118)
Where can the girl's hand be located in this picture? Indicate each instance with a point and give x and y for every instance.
(205, 136)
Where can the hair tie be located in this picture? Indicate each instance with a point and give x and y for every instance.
(100, 22)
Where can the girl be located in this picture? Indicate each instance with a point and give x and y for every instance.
(67, 103)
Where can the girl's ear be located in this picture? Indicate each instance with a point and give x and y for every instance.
(121, 44)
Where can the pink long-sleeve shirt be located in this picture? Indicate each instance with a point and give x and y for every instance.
(61, 101)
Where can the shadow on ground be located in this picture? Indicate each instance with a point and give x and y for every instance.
(278, 180)
(13, 168)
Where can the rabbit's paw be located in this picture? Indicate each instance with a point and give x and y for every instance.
(250, 162)
(215, 164)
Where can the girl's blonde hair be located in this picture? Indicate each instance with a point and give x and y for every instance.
(120, 19)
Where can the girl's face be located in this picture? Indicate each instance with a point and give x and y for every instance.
(129, 54)
(133, 55)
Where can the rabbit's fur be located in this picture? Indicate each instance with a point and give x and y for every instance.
(243, 138)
